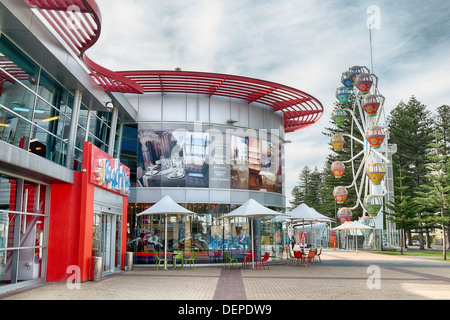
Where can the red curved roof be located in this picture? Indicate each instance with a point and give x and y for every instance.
(300, 109)
(78, 23)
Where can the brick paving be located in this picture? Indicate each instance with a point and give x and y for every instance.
(341, 275)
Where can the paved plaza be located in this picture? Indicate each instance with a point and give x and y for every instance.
(342, 275)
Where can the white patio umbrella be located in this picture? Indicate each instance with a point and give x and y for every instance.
(355, 225)
(252, 209)
(167, 207)
(320, 217)
(342, 226)
(304, 214)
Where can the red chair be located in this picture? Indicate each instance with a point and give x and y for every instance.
(261, 261)
(299, 256)
(247, 259)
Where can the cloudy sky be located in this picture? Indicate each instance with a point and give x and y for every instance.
(306, 44)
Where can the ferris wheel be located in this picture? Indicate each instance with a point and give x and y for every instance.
(368, 180)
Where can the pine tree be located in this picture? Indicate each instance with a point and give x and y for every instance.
(402, 211)
(442, 128)
(307, 189)
(410, 127)
(434, 196)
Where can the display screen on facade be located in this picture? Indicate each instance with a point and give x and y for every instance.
(209, 158)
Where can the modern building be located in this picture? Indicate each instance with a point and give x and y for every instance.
(84, 149)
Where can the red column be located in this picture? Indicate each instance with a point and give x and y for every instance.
(64, 229)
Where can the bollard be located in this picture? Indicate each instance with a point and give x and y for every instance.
(96, 268)
(128, 261)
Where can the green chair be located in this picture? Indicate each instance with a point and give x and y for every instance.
(158, 260)
(229, 260)
(178, 255)
(191, 260)
(291, 258)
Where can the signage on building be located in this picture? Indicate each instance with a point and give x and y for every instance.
(105, 171)
(111, 174)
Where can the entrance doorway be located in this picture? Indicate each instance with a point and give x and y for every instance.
(106, 240)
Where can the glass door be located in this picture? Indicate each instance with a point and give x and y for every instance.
(104, 242)
(107, 244)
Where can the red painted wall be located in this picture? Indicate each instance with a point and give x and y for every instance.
(64, 229)
(71, 223)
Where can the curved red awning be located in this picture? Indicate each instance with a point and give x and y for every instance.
(299, 108)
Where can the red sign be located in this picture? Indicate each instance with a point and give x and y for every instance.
(105, 171)
(332, 236)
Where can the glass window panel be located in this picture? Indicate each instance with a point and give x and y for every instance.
(48, 146)
(67, 107)
(83, 116)
(129, 154)
(63, 127)
(96, 142)
(17, 98)
(118, 243)
(16, 64)
(27, 262)
(14, 130)
(219, 230)
(81, 136)
(51, 90)
(78, 160)
(116, 145)
(47, 117)
(97, 234)
(98, 128)
(199, 230)
(104, 116)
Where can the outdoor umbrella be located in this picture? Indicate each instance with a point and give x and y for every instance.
(252, 209)
(303, 213)
(355, 225)
(320, 217)
(342, 226)
(168, 207)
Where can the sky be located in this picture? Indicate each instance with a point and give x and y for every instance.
(305, 44)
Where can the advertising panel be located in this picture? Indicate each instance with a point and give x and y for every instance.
(209, 158)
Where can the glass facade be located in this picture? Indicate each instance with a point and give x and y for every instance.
(203, 164)
(36, 110)
(23, 229)
(206, 233)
